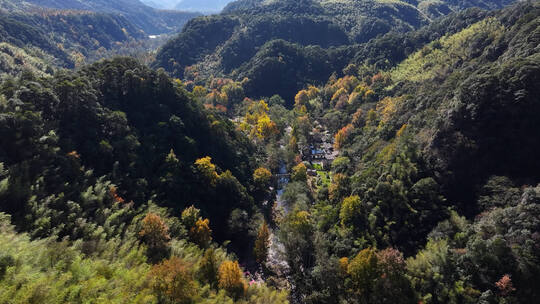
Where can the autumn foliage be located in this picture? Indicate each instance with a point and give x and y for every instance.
(155, 234)
(342, 135)
(299, 172)
(172, 280)
(262, 176)
(363, 271)
(201, 233)
(303, 97)
(207, 169)
(113, 191)
(198, 228)
(232, 279)
(350, 207)
(257, 122)
(505, 285)
(373, 275)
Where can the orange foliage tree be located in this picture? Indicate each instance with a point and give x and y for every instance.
(155, 234)
(505, 285)
(301, 99)
(113, 191)
(173, 281)
(341, 136)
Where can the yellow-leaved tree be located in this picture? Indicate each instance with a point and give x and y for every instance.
(207, 169)
(231, 279)
(299, 172)
(201, 234)
(363, 271)
(349, 210)
(198, 228)
(262, 175)
(257, 122)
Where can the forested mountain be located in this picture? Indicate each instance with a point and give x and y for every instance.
(284, 68)
(234, 37)
(243, 31)
(150, 20)
(305, 152)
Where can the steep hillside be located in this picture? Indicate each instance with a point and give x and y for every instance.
(85, 158)
(281, 67)
(284, 68)
(134, 119)
(60, 38)
(436, 151)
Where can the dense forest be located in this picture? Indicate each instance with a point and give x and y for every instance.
(305, 152)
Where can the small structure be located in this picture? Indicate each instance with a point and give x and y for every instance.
(319, 153)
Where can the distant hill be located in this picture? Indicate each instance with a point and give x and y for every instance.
(45, 39)
(151, 20)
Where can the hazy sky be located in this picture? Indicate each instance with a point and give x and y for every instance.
(163, 3)
(190, 5)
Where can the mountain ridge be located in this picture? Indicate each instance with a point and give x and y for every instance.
(254, 23)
